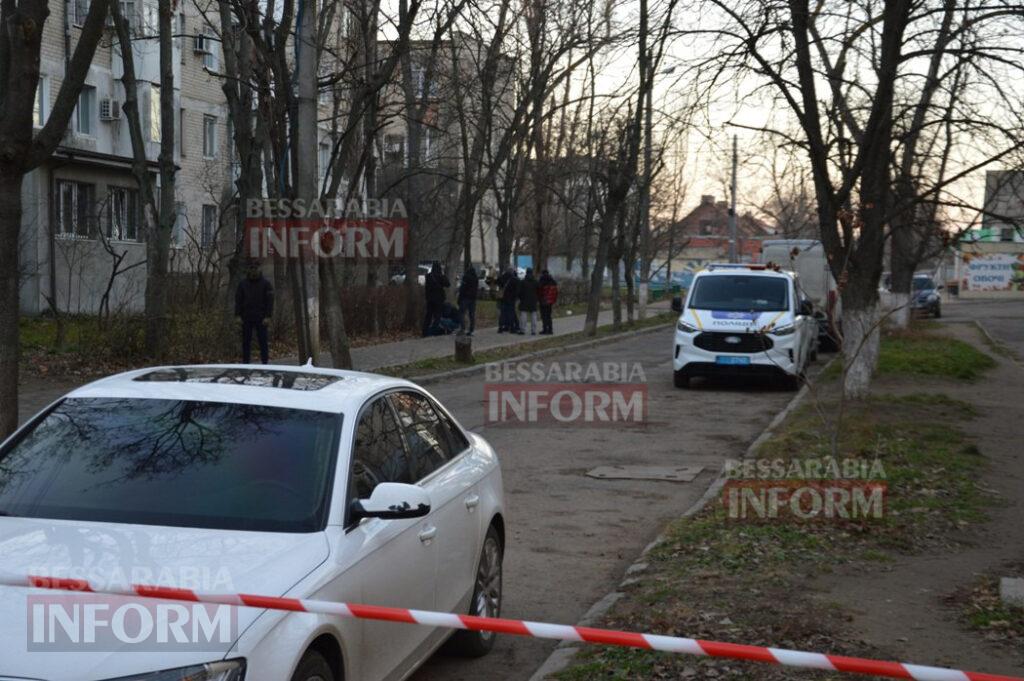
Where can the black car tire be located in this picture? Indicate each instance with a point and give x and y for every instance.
(681, 379)
(313, 667)
(938, 311)
(468, 643)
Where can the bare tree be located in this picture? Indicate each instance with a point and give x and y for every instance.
(21, 151)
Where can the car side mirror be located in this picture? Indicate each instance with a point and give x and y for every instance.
(677, 304)
(806, 308)
(392, 501)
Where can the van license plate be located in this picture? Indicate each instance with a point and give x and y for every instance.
(725, 359)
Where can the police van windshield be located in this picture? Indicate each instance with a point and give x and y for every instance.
(740, 293)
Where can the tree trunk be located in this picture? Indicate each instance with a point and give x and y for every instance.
(861, 340)
(306, 146)
(10, 342)
(158, 244)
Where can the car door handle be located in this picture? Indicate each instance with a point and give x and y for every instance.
(428, 534)
(472, 501)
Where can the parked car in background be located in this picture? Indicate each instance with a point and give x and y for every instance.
(421, 277)
(282, 481)
(745, 320)
(924, 295)
(807, 258)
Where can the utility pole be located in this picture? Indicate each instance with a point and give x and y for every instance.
(645, 189)
(734, 245)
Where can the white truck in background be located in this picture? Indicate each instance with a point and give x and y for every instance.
(807, 258)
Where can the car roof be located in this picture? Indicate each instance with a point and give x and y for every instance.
(720, 270)
(305, 387)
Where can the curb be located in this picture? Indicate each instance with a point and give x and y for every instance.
(563, 655)
(1008, 351)
(476, 368)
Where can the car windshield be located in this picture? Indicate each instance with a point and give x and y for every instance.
(923, 283)
(176, 463)
(740, 293)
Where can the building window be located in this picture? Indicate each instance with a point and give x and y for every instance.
(76, 202)
(125, 214)
(419, 74)
(85, 112)
(209, 234)
(394, 149)
(41, 108)
(81, 11)
(210, 136)
(180, 222)
(131, 16)
(182, 145)
(1006, 234)
(154, 113)
(324, 159)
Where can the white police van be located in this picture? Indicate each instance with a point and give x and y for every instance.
(747, 320)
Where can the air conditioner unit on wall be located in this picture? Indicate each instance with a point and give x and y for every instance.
(110, 109)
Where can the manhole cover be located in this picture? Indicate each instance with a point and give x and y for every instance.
(667, 473)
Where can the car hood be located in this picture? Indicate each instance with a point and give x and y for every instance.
(727, 320)
(206, 560)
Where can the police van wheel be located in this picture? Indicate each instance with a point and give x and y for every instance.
(681, 379)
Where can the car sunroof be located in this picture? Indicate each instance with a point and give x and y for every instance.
(260, 378)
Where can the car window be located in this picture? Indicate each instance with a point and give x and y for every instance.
(379, 454)
(178, 463)
(740, 293)
(429, 437)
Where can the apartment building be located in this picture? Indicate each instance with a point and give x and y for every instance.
(83, 213)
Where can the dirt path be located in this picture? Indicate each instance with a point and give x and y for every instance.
(901, 605)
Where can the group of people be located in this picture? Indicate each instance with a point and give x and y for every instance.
(254, 304)
(531, 294)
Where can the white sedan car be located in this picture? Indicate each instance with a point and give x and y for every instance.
(278, 481)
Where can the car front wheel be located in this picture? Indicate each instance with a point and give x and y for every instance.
(486, 599)
(313, 667)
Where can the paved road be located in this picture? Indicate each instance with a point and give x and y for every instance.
(572, 536)
(1003, 319)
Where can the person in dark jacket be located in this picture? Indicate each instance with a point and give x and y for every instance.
(469, 288)
(528, 302)
(547, 296)
(509, 294)
(434, 285)
(254, 304)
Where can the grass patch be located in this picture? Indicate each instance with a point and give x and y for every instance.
(725, 579)
(438, 364)
(981, 609)
(920, 353)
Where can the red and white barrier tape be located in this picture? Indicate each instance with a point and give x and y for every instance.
(560, 632)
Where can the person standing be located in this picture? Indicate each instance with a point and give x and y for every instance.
(547, 296)
(254, 304)
(528, 302)
(434, 285)
(469, 288)
(509, 294)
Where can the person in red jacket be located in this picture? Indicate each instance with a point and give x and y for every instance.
(547, 296)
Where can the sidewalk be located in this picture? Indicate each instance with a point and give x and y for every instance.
(35, 393)
(373, 357)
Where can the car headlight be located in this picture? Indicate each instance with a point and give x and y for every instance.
(786, 330)
(229, 670)
(685, 328)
